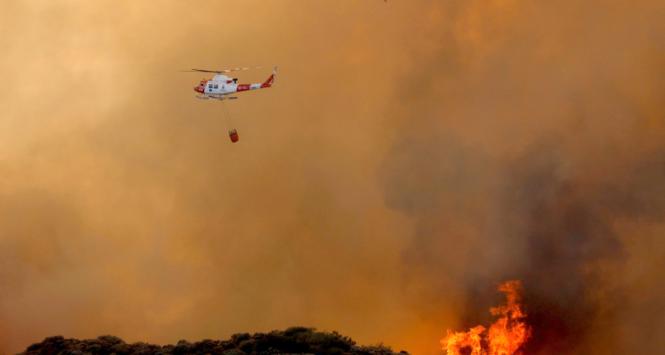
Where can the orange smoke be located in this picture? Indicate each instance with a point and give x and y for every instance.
(505, 337)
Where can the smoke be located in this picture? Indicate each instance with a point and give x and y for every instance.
(545, 142)
(126, 211)
(411, 156)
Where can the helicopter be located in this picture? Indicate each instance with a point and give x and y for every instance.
(222, 87)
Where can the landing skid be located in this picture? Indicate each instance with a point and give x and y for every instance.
(216, 98)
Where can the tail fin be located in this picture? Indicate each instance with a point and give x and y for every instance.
(271, 80)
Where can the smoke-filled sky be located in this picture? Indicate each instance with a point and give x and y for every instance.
(411, 156)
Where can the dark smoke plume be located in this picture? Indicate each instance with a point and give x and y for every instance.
(540, 221)
(542, 160)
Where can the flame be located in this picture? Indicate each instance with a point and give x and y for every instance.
(505, 337)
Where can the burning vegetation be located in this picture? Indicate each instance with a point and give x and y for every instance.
(505, 336)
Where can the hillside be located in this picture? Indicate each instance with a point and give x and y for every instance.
(296, 340)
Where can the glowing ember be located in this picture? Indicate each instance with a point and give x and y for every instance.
(505, 337)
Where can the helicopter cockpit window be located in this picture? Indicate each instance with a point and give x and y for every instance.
(216, 86)
(209, 86)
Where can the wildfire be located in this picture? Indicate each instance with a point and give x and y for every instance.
(505, 337)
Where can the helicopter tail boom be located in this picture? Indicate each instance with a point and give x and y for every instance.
(266, 84)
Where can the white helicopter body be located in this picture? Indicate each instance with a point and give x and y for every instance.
(222, 87)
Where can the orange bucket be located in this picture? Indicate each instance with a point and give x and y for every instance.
(233, 134)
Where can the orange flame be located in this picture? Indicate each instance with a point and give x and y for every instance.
(505, 337)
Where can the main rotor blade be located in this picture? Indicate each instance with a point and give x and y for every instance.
(224, 71)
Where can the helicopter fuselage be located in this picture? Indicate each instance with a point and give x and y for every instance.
(221, 85)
